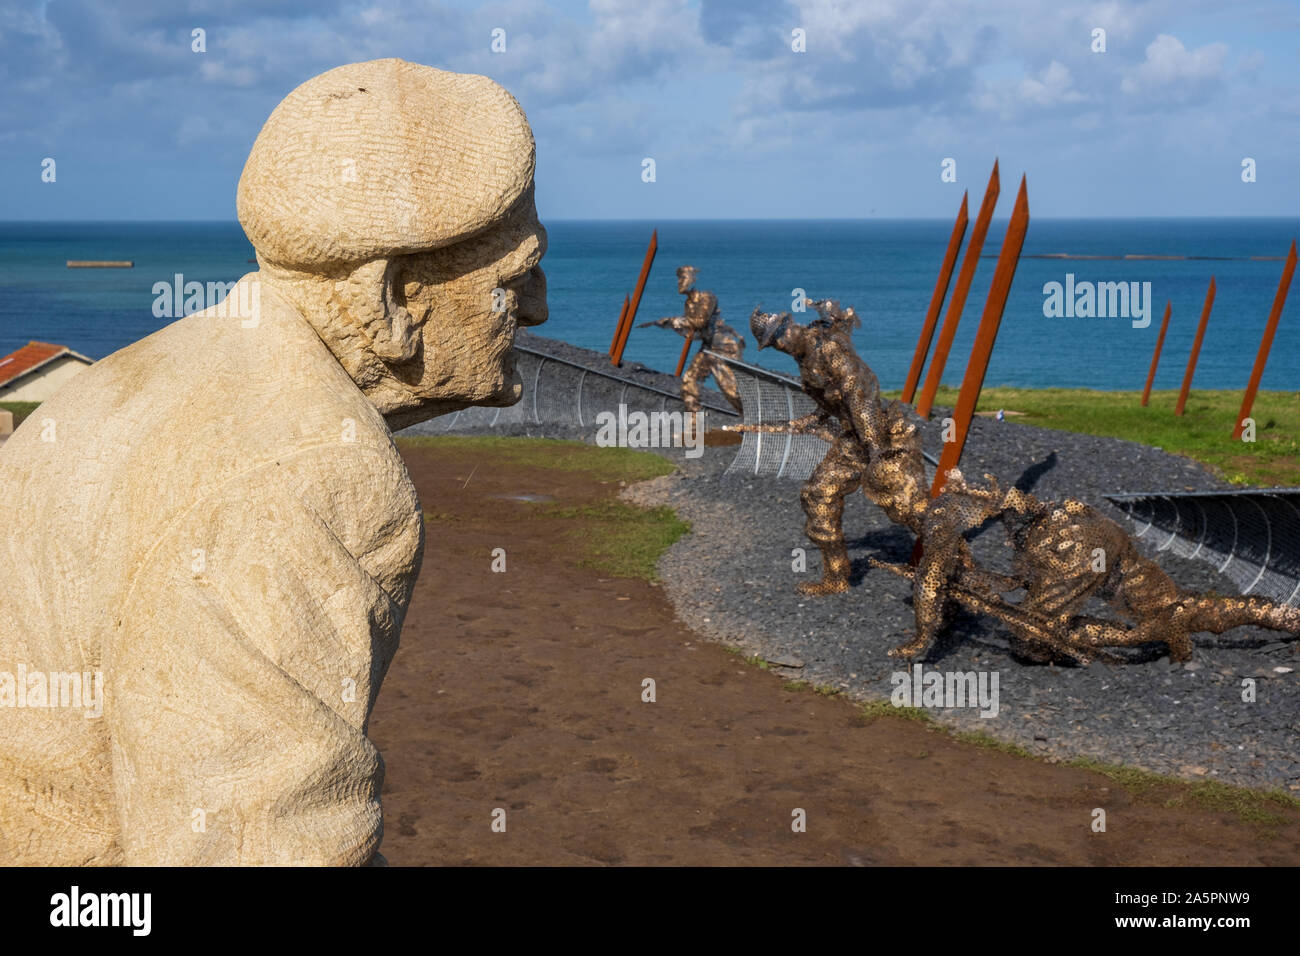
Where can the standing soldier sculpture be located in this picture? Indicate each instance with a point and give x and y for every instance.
(703, 321)
(872, 446)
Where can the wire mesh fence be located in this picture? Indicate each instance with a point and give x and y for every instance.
(1252, 536)
(770, 398)
(561, 392)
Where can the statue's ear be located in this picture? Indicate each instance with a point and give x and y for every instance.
(393, 332)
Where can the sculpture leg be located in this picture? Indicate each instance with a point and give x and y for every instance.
(1174, 623)
(1165, 628)
(1054, 602)
(1028, 627)
(697, 370)
(726, 381)
(823, 502)
(1061, 597)
(934, 574)
(1218, 614)
(1149, 596)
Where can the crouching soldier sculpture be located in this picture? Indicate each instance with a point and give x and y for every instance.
(701, 320)
(872, 446)
(1062, 555)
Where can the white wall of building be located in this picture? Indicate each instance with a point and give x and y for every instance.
(39, 385)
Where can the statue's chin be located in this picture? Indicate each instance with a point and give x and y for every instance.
(407, 412)
(509, 393)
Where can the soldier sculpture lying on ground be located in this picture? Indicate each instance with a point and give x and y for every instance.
(1062, 554)
(216, 518)
(702, 321)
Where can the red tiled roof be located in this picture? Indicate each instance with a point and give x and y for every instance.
(29, 357)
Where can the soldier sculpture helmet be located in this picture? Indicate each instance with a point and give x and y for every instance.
(768, 326)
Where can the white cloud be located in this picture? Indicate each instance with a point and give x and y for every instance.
(1051, 87)
(1171, 72)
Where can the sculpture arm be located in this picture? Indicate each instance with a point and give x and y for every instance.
(813, 420)
(677, 323)
(246, 660)
(869, 420)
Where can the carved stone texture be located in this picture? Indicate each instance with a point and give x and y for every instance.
(215, 519)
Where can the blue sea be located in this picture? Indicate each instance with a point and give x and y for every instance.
(886, 269)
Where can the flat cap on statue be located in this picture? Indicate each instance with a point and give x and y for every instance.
(383, 158)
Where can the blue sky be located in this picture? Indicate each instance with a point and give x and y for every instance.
(739, 125)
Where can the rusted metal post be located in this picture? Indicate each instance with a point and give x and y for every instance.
(1196, 348)
(681, 362)
(618, 329)
(1266, 342)
(968, 264)
(624, 330)
(973, 382)
(1155, 359)
(636, 295)
(936, 301)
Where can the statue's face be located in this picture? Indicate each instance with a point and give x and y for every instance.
(794, 339)
(468, 299)
(685, 279)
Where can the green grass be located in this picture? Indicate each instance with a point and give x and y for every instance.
(1204, 433)
(883, 708)
(603, 464)
(622, 540)
(978, 738)
(20, 409)
(821, 690)
(1253, 806)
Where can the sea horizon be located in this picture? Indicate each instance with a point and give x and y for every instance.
(996, 218)
(885, 267)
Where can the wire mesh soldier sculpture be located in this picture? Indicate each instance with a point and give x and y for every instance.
(702, 320)
(1063, 554)
(872, 445)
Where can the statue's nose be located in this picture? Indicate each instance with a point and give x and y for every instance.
(532, 309)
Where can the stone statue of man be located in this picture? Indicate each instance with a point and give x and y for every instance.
(210, 540)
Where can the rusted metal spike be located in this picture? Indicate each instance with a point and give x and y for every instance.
(968, 265)
(636, 295)
(1196, 348)
(936, 301)
(985, 336)
(681, 362)
(1266, 343)
(973, 382)
(618, 329)
(1155, 358)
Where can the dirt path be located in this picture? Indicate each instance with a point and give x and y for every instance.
(522, 690)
